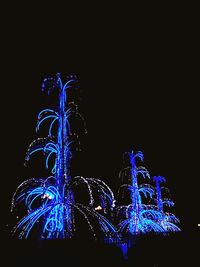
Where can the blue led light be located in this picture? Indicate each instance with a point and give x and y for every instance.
(167, 220)
(137, 217)
(51, 200)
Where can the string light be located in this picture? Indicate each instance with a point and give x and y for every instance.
(167, 220)
(51, 200)
(136, 217)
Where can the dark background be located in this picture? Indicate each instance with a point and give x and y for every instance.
(138, 89)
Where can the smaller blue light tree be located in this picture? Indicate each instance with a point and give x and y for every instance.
(137, 217)
(168, 220)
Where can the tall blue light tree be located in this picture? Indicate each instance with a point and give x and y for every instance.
(137, 217)
(168, 220)
(50, 201)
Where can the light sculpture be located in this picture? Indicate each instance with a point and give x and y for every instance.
(50, 201)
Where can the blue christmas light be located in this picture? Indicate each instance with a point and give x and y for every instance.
(51, 200)
(168, 220)
(136, 217)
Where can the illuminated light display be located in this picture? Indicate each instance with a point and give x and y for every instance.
(168, 220)
(137, 217)
(50, 201)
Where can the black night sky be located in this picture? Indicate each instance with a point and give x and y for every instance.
(138, 89)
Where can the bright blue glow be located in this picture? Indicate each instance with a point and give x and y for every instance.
(35, 150)
(53, 170)
(167, 220)
(45, 111)
(45, 118)
(51, 125)
(136, 217)
(50, 148)
(50, 201)
(47, 114)
(146, 190)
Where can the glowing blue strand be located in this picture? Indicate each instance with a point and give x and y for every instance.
(143, 172)
(26, 218)
(47, 159)
(52, 145)
(31, 202)
(54, 223)
(36, 218)
(34, 191)
(68, 126)
(46, 110)
(171, 227)
(68, 112)
(53, 170)
(54, 191)
(150, 191)
(29, 217)
(35, 150)
(123, 224)
(60, 81)
(148, 225)
(47, 117)
(171, 217)
(67, 83)
(50, 149)
(20, 196)
(51, 125)
(155, 215)
(37, 192)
